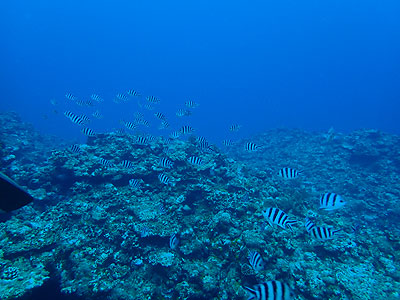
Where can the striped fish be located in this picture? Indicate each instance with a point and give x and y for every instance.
(142, 122)
(183, 112)
(251, 147)
(69, 96)
(168, 141)
(141, 140)
(194, 160)
(331, 201)
(270, 290)
(80, 102)
(97, 115)
(133, 93)
(255, 261)
(227, 143)
(174, 135)
(122, 97)
(129, 125)
(134, 183)
(148, 106)
(127, 164)
(74, 118)
(89, 102)
(173, 241)
(88, 132)
(164, 124)
(202, 143)
(235, 127)
(165, 163)
(85, 118)
(96, 98)
(152, 99)
(191, 104)
(322, 233)
(278, 217)
(288, 173)
(160, 116)
(138, 115)
(308, 224)
(186, 129)
(120, 131)
(151, 138)
(74, 149)
(164, 179)
(106, 163)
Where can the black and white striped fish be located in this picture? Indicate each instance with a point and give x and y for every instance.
(227, 143)
(129, 125)
(97, 115)
(88, 132)
(288, 173)
(81, 102)
(148, 106)
(85, 118)
(164, 124)
(164, 179)
(133, 93)
(331, 201)
(127, 164)
(165, 163)
(74, 148)
(191, 104)
(251, 147)
(278, 217)
(174, 135)
(69, 96)
(122, 97)
(235, 127)
(194, 160)
(308, 224)
(183, 112)
(255, 261)
(323, 233)
(160, 116)
(202, 143)
(173, 241)
(120, 131)
(74, 118)
(152, 99)
(134, 183)
(270, 290)
(167, 141)
(138, 115)
(106, 162)
(142, 122)
(141, 140)
(151, 138)
(186, 129)
(96, 97)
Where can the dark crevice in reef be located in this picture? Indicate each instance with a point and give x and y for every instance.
(49, 291)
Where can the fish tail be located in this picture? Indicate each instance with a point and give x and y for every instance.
(251, 293)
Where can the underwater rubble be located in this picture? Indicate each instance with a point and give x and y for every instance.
(103, 238)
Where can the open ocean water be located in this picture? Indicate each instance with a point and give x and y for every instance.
(200, 150)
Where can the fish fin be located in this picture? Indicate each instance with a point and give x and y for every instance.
(250, 292)
(270, 223)
(338, 232)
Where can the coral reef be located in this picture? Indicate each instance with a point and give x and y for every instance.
(104, 239)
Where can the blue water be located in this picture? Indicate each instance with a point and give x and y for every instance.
(264, 64)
